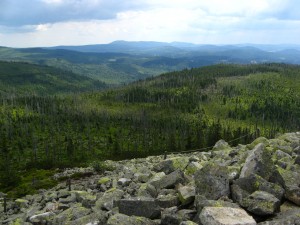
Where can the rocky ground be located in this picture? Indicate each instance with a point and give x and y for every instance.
(250, 184)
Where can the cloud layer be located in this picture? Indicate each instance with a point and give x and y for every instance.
(57, 22)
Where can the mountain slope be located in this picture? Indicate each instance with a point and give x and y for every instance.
(184, 110)
(22, 78)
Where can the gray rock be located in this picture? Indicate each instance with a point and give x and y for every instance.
(170, 165)
(63, 194)
(201, 202)
(280, 155)
(41, 218)
(167, 201)
(290, 181)
(186, 194)
(212, 181)
(106, 201)
(124, 182)
(261, 203)
(225, 216)
(289, 215)
(221, 145)
(188, 223)
(121, 219)
(69, 199)
(254, 183)
(147, 190)
(91, 219)
(173, 216)
(192, 168)
(258, 162)
(145, 207)
(170, 180)
(87, 199)
(71, 214)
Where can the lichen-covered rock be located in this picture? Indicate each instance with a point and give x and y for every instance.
(201, 202)
(258, 162)
(192, 168)
(225, 216)
(145, 207)
(22, 203)
(71, 214)
(210, 173)
(281, 155)
(42, 218)
(212, 181)
(170, 165)
(221, 145)
(259, 140)
(124, 181)
(147, 190)
(187, 223)
(170, 180)
(167, 201)
(254, 183)
(289, 215)
(87, 199)
(186, 194)
(103, 180)
(174, 216)
(106, 201)
(121, 219)
(261, 203)
(290, 181)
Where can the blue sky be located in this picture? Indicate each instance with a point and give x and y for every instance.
(30, 23)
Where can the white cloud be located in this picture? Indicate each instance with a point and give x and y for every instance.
(102, 21)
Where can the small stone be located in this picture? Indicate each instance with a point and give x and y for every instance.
(124, 182)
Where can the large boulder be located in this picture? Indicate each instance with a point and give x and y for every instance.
(289, 215)
(170, 165)
(174, 216)
(42, 218)
(212, 181)
(167, 201)
(290, 181)
(254, 183)
(186, 194)
(201, 202)
(88, 200)
(145, 207)
(170, 180)
(225, 216)
(106, 201)
(259, 161)
(261, 203)
(72, 214)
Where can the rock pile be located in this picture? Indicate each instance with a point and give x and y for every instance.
(250, 184)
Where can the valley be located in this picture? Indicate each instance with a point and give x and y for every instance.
(173, 112)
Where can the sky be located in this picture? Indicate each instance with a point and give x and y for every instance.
(36, 23)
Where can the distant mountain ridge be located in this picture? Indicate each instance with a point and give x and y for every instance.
(149, 46)
(123, 62)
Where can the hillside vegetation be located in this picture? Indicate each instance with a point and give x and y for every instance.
(177, 111)
(24, 78)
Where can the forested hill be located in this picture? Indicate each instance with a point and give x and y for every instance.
(22, 78)
(174, 112)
